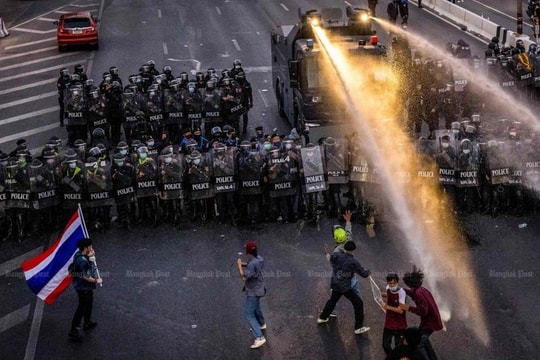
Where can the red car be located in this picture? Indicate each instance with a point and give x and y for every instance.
(78, 28)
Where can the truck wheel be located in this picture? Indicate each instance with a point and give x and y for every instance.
(279, 99)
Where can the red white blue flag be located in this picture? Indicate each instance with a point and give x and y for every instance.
(47, 274)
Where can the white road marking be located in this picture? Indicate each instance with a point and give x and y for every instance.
(263, 98)
(258, 69)
(14, 318)
(46, 19)
(27, 86)
(30, 43)
(31, 345)
(15, 263)
(218, 10)
(61, 11)
(159, 13)
(23, 134)
(83, 5)
(28, 116)
(33, 31)
(28, 99)
(38, 61)
(39, 71)
(7, 57)
(347, 3)
(165, 49)
(284, 7)
(235, 43)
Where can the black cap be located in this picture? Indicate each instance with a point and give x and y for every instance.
(21, 141)
(259, 128)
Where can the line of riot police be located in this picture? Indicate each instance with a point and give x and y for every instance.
(151, 104)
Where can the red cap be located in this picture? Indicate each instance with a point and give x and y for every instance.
(251, 246)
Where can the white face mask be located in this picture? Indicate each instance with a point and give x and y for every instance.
(393, 288)
(513, 134)
(288, 146)
(119, 163)
(168, 160)
(445, 145)
(72, 165)
(123, 152)
(197, 161)
(466, 151)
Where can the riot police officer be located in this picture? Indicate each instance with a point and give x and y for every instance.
(62, 84)
(123, 180)
(247, 97)
(146, 177)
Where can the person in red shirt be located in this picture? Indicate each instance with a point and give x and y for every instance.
(425, 307)
(395, 322)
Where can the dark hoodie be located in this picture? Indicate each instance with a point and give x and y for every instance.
(344, 267)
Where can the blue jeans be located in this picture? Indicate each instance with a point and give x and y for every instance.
(254, 314)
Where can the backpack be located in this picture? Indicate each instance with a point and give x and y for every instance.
(71, 267)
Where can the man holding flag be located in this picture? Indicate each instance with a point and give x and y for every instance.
(48, 276)
(85, 277)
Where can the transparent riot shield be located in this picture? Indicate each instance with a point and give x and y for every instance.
(154, 109)
(97, 113)
(282, 181)
(146, 176)
(17, 184)
(446, 156)
(174, 107)
(98, 182)
(124, 185)
(130, 106)
(200, 178)
(313, 169)
(72, 185)
(171, 177)
(75, 106)
(250, 164)
(193, 109)
(499, 168)
(212, 109)
(3, 193)
(43, 187)
(224, 171)
(337, 161)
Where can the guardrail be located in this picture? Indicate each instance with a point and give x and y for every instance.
(475, 23)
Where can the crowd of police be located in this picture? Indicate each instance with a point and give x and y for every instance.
(165, 171)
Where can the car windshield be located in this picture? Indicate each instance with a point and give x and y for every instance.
(72, 23)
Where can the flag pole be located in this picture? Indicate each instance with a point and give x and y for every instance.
(85, 231)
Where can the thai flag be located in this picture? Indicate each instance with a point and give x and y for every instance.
(47, 274)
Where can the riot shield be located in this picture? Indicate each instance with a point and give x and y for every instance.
(313, 170)
(499, 169)
(531, 171)
(3, 193)
(193, 109)
(171, 177)
(446, 158)
(17, 184)
(200, 178)
(224, 171)
(130, 106)
(98, 184)
(146, 176)
(75, 106)
(212, 109)
(154, 108)
(123, 181)
(238, 107)
(282, 181)
(468, 166)
(72, 185)
(43, 187)
(97, 113)
(249, 173)
(174, 106)
(337, 162)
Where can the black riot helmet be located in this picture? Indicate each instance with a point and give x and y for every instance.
(227, 81)
(225, 73)
(184, 77)
(210, 72)
(199, 76)
(64, 72)
(106, 76)
(79, 68)
(151, 63)
(113, 70)
(241, 76)
(237, 64)
(210, 85)
(167, 70)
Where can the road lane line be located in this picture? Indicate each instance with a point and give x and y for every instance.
(28, 99)
(14, 318)
(284, 7)
(263, 98)
(31, 345)
(46, 19)
(28, 116)
(235, 43)
(39, 71)
(27, 53)
(36, 61)
(28, 86)
(165, 49)
(33, 31)
(15, 263)
(159, 13)
(347, 3)
(218, 10)
(83, 5)
(30, 43)
(23, 134)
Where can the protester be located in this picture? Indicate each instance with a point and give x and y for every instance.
(344, 266)
(408, 348)
(395, 321)
(85, 278)
(252, 275)
(426, 308)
